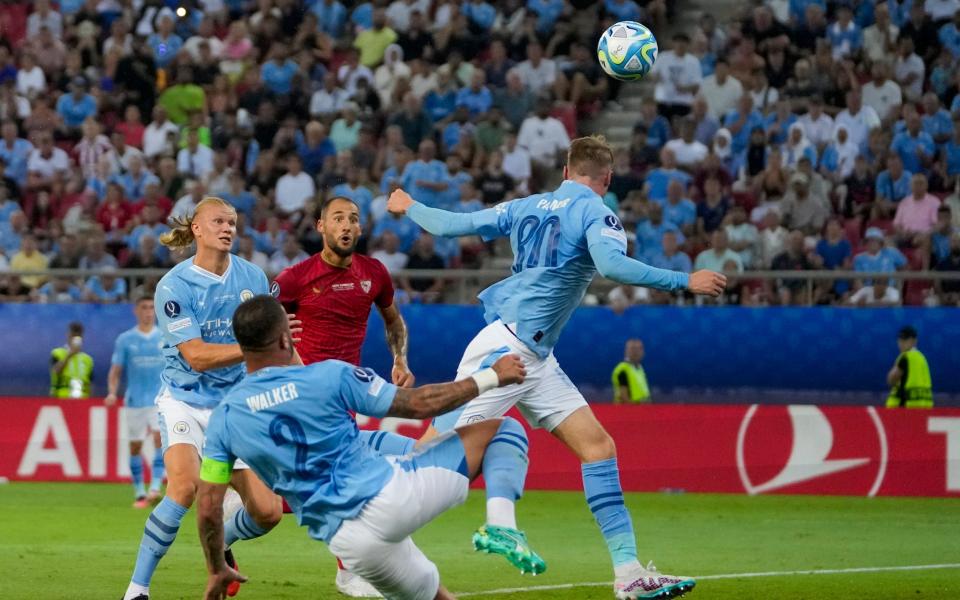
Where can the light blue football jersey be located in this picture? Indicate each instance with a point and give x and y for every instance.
(293, 426)
(557, 240)
(194, 303)
(140, 355)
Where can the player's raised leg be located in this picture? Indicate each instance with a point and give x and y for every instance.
(183, 468)
(587, 438)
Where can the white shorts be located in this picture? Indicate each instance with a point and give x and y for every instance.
(181, 423)
(376, 544)
(140, 422)
(545, 398)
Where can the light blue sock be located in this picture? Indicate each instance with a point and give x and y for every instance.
(387, 443)
(241, 526)
(136, 474)
(601, 486)
(159, 532)
(157, 471)
(505, 472)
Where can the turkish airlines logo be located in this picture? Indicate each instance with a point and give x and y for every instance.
(797, 449)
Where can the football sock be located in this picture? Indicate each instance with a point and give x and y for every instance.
(241, 526)
(388, 443)
(136, 473)
(601, 486)
(157, 471)
(158, 534)
(505, 471)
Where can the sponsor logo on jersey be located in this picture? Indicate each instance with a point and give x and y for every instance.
(275, 289)
(171, 308)
(365, 285)
(245, 295)
(342, 287)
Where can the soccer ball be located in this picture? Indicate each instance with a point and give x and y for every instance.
(627, 50)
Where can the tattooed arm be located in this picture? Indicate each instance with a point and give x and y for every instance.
(210, 526)
(432, 400)
(397, 342)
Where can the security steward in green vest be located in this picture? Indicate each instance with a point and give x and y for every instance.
(629, 379)
(910, 376)
(71, 369)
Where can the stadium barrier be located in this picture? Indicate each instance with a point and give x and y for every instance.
(857, 451)
(745, 353)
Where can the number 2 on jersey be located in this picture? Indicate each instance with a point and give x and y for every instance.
(285, 431)
(532, 233)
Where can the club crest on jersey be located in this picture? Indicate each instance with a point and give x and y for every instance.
(275, 289)
(181, 427)
(245, 295)
(171, 308)
(365, 285)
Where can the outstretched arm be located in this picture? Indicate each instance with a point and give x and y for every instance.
(443, 222)
(397, 341)
(613, 264)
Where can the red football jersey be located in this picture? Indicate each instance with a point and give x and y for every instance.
(334, 304)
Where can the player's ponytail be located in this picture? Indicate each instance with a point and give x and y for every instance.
(181, 230)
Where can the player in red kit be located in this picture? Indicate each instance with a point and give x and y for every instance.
(332, 293)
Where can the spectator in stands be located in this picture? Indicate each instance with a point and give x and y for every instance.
(880, 39)
(712, 209)
(721, 91)
(427, 290)
(165, 43)
(881, 93)
(817, 125)
(538, 73)
(148, 254)
(876, 258)
(801, 209)
(374, 41)
(794, 258)
(389, 253)
(670, 256)
(857, 118)
(916, 215)
(659, 179)
(114, 213)
(679, 210)
(837, 161)
(835, 254)
(686, 149)
(624, 296)
(517, 163)
(914, 146)
(59, 290)
(949, 291)
(742, 235)
(196, 160)
(96, 256)
(741, 123)
(773, 238)
(909, 69)
(581, 81)
(105, 288)
(29, 258)
(893, 184)
(716, 257)
(294, 188)
(68, 253)
(328, 100)
(880, 293)
(47, 164)
(678, 76)
(351, 72)
(290, 254)
(543, 136)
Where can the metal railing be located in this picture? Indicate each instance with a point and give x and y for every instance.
(463, 284)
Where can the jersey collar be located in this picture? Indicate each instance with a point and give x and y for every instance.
(214, 276)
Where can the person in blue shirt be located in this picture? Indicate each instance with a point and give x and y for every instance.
(314, 147)
(136, 179)
(238, 196)
(165, 43)
(914, 146)
(657, 126)
(547, 11)
(362, 16)
(480, 14)
(937, 122)
(277, 73)
(877, 258)
(622, 10)
(560, 240)
(331, 15)
(195, 302)
(798, 9)
(407, 231)
(426, 176)
(678, 210)
(137, 359)
(741, 121)
(659, 179)
(477, 97)
(899, 11)
(650, 233)
(949, 35)
(836, 253)
(951, 154)
(356, 193)
(456, 177)
(670, 257)
(844, 35)
(106, 288)
(440, 103)
(77, 106)
(15, 152)
(294, 426)
(893, 184)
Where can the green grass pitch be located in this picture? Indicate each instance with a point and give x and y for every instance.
(78, 541)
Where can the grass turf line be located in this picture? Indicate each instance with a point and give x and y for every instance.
(79, 541)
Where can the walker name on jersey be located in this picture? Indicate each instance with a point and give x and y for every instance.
(553, 204)
(278, 395)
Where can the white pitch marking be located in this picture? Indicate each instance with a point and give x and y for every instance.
(566, 586)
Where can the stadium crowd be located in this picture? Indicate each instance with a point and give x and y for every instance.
(806, 135)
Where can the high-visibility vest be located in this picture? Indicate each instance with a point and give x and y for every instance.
(74, 380)
(915, 389)
(636, 381)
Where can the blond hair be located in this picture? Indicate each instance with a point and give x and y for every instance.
(181, 231)
(590, 156)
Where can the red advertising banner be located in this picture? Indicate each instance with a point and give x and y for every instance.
(752, 449)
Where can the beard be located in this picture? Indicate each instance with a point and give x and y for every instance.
(334, 244)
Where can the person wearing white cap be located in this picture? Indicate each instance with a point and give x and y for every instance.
(876, 258)
(800, 209)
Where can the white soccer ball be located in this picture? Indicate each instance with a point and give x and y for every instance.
(627, 50)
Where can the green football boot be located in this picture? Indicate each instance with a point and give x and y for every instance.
(512, 545)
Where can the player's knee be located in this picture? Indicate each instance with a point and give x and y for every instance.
(135, 448)
(600, 447)
(267, 512)
(182, 490)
